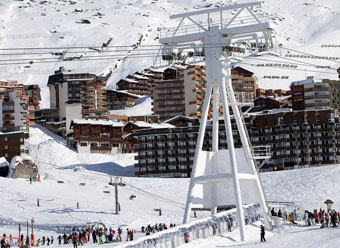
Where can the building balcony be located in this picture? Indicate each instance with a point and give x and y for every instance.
(100, 148)
(11, 118)
(8, 125)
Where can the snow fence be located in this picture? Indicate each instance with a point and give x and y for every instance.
(204, 228)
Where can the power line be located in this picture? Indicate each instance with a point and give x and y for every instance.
(294, 69)
(317, 56)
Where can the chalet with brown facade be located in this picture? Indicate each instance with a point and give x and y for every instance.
(97, 136)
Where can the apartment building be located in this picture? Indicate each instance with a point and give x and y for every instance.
(14, 120)
(102, 136)
(262, 103)
(335, 86)
(34, 98)
(243, 80)
(308, 94)
(97, 136)
(182, 90)
(297, 139)
(169, 152)
(13, 107)
(86, 91)
(140, 84)
(118, 99)
(13, 144)
(271, 92)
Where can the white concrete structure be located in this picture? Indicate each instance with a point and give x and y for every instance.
(73, 111)
(213, 36)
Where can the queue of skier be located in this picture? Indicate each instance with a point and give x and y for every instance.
(325, 218)
(155, 228)
(97, 236)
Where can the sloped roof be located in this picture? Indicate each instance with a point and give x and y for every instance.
(98, 122)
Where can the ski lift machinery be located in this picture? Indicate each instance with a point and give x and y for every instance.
(210, 172)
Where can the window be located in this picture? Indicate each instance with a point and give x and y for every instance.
(83, 144)
(6, 147)
(94, 144)
(7, 107)
(6, 155)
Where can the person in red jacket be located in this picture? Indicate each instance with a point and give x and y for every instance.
(74, 240)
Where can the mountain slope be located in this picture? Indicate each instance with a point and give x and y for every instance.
(302, 25)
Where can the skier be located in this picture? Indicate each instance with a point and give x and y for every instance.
(74, 240)
(43, 240)
(120, 233)
(263, 233)
(48, 241)
(59, 239)
(38, 242)
(273, 212)
(107, 235)
(52, 239)
(88, 233)
(306, 217)
(127, 234)
(65, 238)
(100, 237)
(186, 237)
(131, 235)
(230, 222)
(94, 236)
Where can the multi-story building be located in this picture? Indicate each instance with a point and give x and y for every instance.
(243, 80)
(335, 86)
(271, 92)
(43, 116)
(14, 122)
(13, 144)
(181, 91)
(140, 84)
(117, 99)
(13, 107)
(85, 90)
(297, 139)
(97, 136)
(33, 93)
(169, 152)
(269, 102)
(308, 94)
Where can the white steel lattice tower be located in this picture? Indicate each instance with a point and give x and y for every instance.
(214, 37)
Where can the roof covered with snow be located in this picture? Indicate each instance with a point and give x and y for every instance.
(144, 124)
(98, 122)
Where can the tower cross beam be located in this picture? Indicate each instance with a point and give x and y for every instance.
(213, 10)
(226, 32)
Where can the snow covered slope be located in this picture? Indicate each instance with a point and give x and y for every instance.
(85, 178)
(302, 24)
(142, 106)
(50, 151)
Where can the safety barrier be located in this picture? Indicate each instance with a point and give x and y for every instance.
(204, 228)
